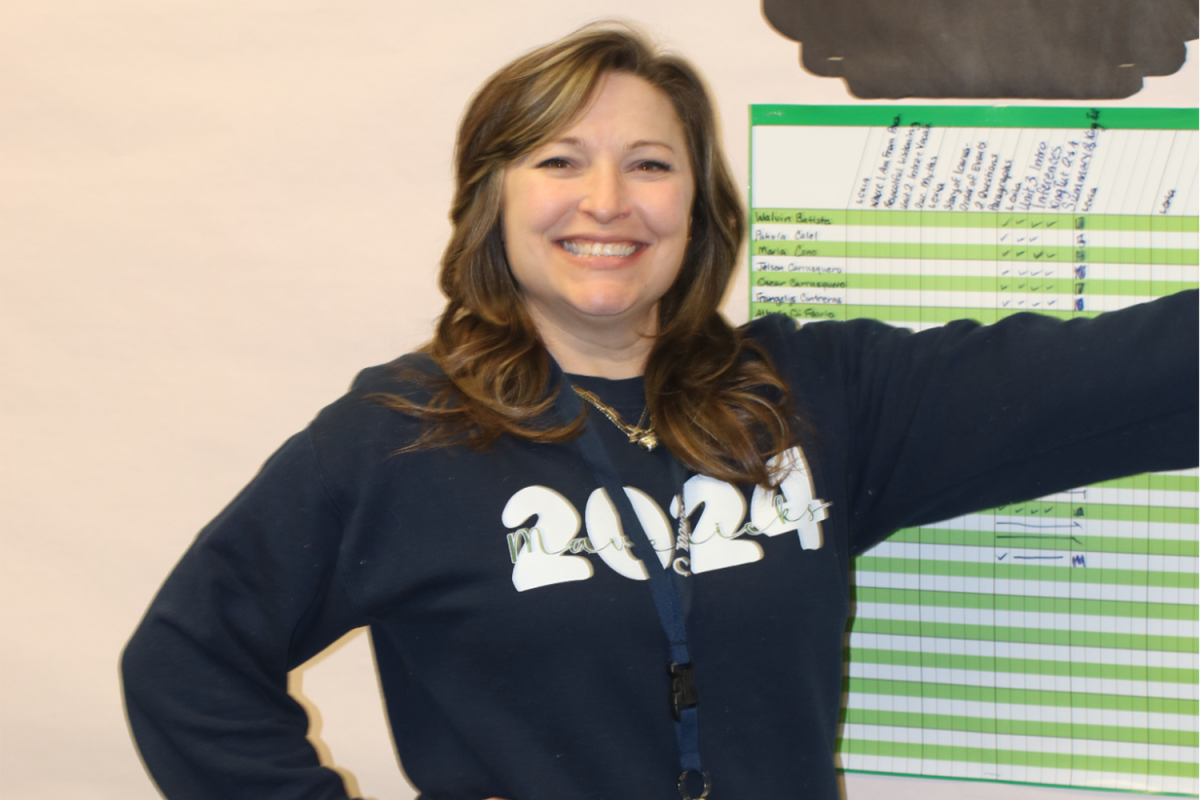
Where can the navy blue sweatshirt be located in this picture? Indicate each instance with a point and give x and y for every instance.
(517, 643)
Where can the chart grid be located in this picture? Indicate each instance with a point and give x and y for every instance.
(1054, 641)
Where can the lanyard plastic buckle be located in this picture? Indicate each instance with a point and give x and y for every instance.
(683, 690)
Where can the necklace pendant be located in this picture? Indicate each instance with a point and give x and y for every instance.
(644, 437)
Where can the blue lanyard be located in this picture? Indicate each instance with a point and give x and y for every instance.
(669, 589)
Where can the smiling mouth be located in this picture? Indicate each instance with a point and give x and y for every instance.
(587, 249)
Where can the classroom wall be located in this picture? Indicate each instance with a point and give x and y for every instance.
(212, 214)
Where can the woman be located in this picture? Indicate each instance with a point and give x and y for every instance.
(456, 500)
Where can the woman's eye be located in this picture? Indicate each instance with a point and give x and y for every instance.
(653, 166)
(554, 163)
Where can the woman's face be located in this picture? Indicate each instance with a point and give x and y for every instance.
(596, 221)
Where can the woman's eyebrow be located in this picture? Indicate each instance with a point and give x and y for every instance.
(574, 141)
(649, 143)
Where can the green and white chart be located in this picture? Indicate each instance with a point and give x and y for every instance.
(1049, 642)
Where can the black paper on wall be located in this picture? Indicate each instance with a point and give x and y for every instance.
(1050, 49)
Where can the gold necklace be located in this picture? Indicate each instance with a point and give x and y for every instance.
(636, 433)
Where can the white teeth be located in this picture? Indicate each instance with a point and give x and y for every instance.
(592, 249)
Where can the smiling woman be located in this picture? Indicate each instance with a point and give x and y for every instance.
(596, 226)
(597, 532)
(597, 141)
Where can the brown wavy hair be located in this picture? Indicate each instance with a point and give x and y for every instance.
(716, 400)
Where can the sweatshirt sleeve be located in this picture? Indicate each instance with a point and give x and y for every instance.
(205, 675)
(966, 417)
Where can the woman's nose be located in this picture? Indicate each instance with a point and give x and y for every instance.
(604, 197)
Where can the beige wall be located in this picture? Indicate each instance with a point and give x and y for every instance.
(213, 214)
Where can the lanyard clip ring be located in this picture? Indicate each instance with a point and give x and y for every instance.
(685, 793)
